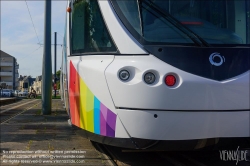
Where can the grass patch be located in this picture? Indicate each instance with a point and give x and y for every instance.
(29, 144)
(51, 148)
(21, 128)
(38, 112)
(55, 113)
(57, 97)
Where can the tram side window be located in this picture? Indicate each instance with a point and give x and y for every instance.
(88, 31)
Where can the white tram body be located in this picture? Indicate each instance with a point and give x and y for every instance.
(117, 57)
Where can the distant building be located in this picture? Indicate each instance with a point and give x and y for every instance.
(8, 71)
(25, 82)
(37, 85)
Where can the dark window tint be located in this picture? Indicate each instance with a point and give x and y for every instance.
(88, 31)
(131, 11)
(218, 22)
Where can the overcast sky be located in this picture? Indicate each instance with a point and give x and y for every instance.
(19, 39)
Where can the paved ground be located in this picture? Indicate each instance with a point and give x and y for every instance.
(31, 138)
(34, 139)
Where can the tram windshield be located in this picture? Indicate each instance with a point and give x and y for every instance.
(199, 22)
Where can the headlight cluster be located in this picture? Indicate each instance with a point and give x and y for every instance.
(149, 78)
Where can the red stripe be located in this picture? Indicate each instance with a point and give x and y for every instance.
(74, 95)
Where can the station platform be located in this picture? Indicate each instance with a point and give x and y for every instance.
(34, 139)
(4, 100)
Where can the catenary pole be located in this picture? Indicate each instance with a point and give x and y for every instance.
(55, 67)
(47, 62)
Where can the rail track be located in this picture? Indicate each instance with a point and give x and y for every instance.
(125, 157)
(10, 111)
(17, 101)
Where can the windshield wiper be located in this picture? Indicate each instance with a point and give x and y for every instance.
(192, 35)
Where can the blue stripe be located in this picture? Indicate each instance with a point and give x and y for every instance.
(96, 115)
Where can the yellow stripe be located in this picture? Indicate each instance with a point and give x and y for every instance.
(90, 110)
(83, 112)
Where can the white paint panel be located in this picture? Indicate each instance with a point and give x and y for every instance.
(120, 131)
(170, 125)
(192, 93)
(123, 39)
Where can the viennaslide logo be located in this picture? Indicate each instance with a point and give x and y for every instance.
(234, 155)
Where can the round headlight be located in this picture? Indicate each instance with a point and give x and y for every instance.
(124, 75)
(149, 78)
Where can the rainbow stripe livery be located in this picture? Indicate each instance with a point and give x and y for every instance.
(86, 111)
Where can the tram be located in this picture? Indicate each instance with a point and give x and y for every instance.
(157, 74)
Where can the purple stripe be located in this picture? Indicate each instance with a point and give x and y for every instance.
(103, 118)
(111, 119)
(110, 131)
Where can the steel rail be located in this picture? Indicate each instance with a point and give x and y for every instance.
(3, 111)
(18, 113)
(107, 154)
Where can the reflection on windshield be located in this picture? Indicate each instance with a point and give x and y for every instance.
(173, 21)
(217, 22)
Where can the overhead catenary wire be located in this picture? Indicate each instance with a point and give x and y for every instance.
(60, 35)
(30, 53)
(32, 21)
(41, 44)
